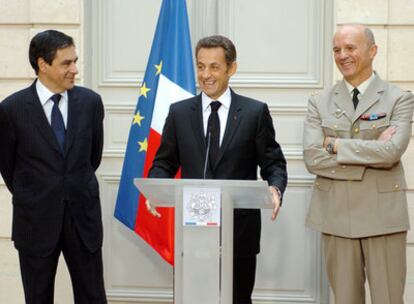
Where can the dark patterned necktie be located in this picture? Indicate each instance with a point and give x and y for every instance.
(213, 131)
(57, 123)
(355, 99)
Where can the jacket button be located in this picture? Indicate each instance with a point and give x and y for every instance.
(356, 130)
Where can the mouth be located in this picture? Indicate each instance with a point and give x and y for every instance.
(209, 82)
(347, 64)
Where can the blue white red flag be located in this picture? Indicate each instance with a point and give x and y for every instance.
(169, 77)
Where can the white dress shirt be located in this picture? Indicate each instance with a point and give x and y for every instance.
(223, 111)
(44, 96)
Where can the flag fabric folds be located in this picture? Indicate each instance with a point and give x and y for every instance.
(169, 77)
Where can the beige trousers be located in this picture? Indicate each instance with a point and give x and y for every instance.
(381, 258)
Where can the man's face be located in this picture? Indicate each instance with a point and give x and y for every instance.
(60, 75)
(213, 73)
(353, 54)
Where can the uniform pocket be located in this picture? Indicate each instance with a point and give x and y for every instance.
(335, 127)
(392, 200)
(319, 201)
(372, 129)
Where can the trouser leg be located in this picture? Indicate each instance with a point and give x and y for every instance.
(385, 260)
(244, 274)
(345, 269)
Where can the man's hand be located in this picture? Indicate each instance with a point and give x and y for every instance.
(327, 140)
(276, 202)
(388, 133)
(151, 209)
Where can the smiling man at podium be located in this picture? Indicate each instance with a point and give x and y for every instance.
(219, 134)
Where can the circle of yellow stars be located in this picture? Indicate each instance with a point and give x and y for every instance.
(138, 118)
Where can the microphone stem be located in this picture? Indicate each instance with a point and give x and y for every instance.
(207, 154)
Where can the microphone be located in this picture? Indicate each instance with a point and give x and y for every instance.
(207, 153)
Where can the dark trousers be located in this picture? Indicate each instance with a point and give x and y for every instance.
(85, 268)
(244, 275)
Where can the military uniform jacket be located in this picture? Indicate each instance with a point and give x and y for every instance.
(360, 191)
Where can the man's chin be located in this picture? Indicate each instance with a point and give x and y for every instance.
(347, 73)
(70, 85)
(209, 92)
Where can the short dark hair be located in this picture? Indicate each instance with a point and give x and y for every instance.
(218, 41)
(45, 45)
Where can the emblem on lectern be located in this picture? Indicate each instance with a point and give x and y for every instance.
(201, 206)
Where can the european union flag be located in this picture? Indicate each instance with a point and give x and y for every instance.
(169, 77)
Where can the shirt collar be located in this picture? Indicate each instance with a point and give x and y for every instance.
(362, 87)
(225, 100)
(45, 94)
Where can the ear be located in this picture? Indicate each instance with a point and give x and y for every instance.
(41, 63)
(232, 68)
(373, 51)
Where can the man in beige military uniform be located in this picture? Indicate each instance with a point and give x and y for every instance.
(353, 142)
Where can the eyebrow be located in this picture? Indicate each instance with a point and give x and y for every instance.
(70, 60)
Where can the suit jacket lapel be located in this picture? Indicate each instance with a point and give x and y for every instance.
(197, 124)
(371, 96)
(37, 114)
(233, 121)
(73, 118)
(343, 100)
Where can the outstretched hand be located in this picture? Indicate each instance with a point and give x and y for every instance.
(275, 201)
(151, 209)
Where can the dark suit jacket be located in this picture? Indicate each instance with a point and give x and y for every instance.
(249, 141)
(41, 179)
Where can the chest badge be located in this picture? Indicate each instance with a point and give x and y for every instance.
(339, 113)
(374, 116)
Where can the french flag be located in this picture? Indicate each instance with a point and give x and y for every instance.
(169, 77)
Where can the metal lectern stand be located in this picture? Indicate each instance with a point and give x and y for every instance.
(203, 271)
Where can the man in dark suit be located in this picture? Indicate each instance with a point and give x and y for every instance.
(52, 136)
(240, 135)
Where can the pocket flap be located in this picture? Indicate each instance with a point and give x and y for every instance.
(374, 124)
(323, 184)
(391, 183)
(336, 124)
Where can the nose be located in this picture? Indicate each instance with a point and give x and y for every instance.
(205, 73)
(74, 68)
(342, 54)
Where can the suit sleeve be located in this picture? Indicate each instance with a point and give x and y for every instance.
(7, 148)
(317, 160)
(166, 162)
(97, 141)
(379, 153)
(270, 156)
